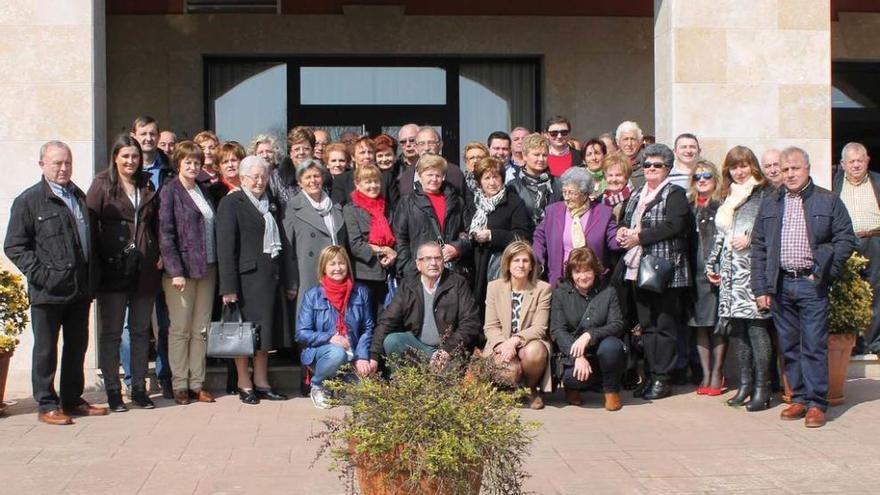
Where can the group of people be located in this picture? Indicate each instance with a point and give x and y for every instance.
(590, 266)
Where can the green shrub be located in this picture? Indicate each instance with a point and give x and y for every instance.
(14, 306)
(850, 298)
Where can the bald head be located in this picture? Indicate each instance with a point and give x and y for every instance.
(770, 165)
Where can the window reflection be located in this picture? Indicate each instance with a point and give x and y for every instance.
(372, 86)
(255, 101)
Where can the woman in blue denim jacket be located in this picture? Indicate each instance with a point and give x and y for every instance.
(327, 342)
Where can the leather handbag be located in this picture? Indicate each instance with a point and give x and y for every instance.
(655, 273)
(231, 337)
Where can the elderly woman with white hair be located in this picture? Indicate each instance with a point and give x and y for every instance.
(254, 259)
(629, 141)
(574, 222)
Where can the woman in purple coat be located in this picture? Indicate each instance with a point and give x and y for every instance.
(572, 223)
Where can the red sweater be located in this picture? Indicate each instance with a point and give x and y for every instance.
(438, 201)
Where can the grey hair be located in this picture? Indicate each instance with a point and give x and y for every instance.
(259, 139)
(429, 128)
(250, 162)
(428, 244)
(854, 147)
(53, 144)
(661, 150)
(306, 164)
(579, 177)
(407, 126)
(627, 126)
(793, 150)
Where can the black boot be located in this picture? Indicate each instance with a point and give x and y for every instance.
(659, 390)
(745, 388)
(643, 387)
(743, 349)
(761, 398)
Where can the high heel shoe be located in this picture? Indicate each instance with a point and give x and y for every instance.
(713, 392)
(248, 396)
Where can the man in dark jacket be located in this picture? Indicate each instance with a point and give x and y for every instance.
(801, 239)
(452, 326)
(50, 239)
(859, 189)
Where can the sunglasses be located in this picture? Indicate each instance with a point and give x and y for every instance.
(703, 175)
(654, 165)
(562, 133)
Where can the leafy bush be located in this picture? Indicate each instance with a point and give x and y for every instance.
(430, 426)
(14, 306)
(850, 298)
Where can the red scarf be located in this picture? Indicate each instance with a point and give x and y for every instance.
(702, 201)
(438, 202)
(338, 294)
(380, 231)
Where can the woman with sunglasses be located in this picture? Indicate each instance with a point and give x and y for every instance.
(743, 188)
(562, 155)
(656, 222)
(703, 197)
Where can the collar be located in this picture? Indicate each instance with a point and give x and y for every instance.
(431, 290)
(58, 189)
(856, 184)
(800, 192)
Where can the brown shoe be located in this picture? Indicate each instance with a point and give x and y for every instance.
(537, 402)
(56, 417)
(815, 418)
(573, 397)
(181, 397)
(612, 401)
(793, 412)
(203, 395)
(86, 409)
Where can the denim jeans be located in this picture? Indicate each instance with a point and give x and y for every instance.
(800, 313)
(163, 369)
(607, 360)
(328, 360)
(401, 342)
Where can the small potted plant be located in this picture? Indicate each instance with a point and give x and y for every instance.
(850, 301)
(14, 317)
(428, 430)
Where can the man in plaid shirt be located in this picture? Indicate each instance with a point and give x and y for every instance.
(801, 240)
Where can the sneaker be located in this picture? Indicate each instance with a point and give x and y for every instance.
(319, 397)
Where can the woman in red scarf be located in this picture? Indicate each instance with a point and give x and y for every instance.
(369, 233)
(335, 324)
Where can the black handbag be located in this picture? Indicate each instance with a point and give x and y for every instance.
(231, 337)
(655, 273)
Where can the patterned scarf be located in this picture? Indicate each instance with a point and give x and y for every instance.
(541, 187)
(485, 207)
(380, 231)
(633, 256)
(271, 235)
(614, 198)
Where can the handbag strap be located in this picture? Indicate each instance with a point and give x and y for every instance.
(231, 313)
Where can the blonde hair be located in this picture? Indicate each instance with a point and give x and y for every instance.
(431, 161)
(513, 249)
(708, 167)
(327, 255)
(534, 140)
(617, 159)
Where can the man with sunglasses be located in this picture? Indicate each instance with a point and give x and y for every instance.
(687, 153)
(562, 155)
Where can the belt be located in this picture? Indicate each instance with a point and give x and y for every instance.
(797, 273)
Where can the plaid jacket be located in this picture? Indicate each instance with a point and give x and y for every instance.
(666, 222)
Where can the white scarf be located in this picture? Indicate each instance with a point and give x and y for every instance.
(739, 194)
(325, 210)
(485, 206)
(271, 235)
(633, 256)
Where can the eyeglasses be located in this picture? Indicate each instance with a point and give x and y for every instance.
(703, 175)
(562, 132)
(653, 165)
(257, 178)
(427, 143)
(408, 140)
(429, 259)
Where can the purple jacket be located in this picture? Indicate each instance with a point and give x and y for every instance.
(600, 233)
(182, 232)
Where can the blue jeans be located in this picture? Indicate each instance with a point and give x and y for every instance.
(328, 360)
(163, 369)
(800, 313)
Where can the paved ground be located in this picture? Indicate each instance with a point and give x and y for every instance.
(685, 444)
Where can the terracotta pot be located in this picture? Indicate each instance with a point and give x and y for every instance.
(840, 347)
(5, 357)
(374, 479)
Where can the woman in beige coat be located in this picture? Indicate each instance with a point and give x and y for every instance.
(517, 317)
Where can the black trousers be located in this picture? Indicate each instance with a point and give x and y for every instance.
(48, 320)
(607, 360)
(660, 317)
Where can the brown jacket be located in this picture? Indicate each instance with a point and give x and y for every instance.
(115, 225)
(534, 318)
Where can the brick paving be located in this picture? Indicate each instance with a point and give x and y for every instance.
(684, 444)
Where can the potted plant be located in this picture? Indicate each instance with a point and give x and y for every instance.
(428, 430)
(850, 301)
(14, 317)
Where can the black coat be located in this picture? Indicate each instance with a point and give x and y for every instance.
(245, 270)
(406, 182)
(42, 240)
(415, 223)
(456, 314)
(509, 222)
(343, 186)
(536, 210)
(357, 224)
(600, 311)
